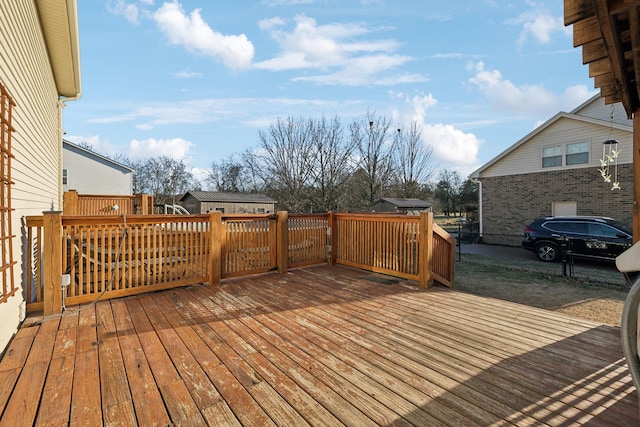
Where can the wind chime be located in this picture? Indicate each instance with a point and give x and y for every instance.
(609, 161)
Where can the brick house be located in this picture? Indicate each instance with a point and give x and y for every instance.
(554, 170)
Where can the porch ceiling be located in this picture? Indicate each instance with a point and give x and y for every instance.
(609, 33)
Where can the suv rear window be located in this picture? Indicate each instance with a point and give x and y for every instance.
(603, 230)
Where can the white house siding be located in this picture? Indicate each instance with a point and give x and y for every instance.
(36, 144)
(527, 158)
(89, 175)
(598, 110)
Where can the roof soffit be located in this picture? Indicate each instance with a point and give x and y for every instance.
(59, 22)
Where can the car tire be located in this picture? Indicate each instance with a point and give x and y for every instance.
(547, 252)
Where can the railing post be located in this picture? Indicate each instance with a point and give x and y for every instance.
(144, 204)
(332, 234)
(52, 250)
(425, 262)
(70, 202)
(215, 248)
(282, 241)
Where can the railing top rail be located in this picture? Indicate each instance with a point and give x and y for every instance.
(308, 215)
(247, 217)
(109, 196)
(389, 217)
(131, 219)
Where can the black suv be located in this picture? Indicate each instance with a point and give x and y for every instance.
(587, 237)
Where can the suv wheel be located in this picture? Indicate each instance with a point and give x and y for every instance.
(547, 252)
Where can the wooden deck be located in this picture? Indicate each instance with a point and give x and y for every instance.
(320, 346)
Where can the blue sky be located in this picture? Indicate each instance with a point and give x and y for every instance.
(197, 80)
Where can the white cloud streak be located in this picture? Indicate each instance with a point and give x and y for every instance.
(337, 52)
(533, 101)
(194, 34)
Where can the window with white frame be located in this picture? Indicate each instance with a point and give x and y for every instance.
(552, 156)
(575, 153)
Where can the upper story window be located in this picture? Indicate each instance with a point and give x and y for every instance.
(64, 177)
(576, 153)
(6, 234)
(552, 156)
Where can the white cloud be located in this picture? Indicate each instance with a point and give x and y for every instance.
(451, 145)
(186, 74)
(271, 23)
(192, 32)
(337, 51)
(98, 145)
(176, 148)
(130, 11)
(275, 3)
(539, 24)
(528, 100)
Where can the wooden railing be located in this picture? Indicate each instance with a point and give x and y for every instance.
(78, 259)
(307, 239)
(411, 247)
(99, 204)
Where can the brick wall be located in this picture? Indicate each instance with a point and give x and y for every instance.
(512, 202)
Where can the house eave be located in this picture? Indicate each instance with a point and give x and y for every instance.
(59, 22)
(477, 174)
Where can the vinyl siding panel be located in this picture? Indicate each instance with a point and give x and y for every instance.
(527, 158)
(36, 144)
(90, 176)
(598, 110)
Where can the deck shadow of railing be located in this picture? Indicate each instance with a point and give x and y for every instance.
(523, 378)
(79, 259)
(528, 389)
(559, 376)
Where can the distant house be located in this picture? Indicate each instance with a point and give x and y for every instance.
(88, 172)
(199, 202)
(407, 206)
(39, 72)
(554, 170)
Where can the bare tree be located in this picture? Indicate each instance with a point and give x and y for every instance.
(332, 162)
(374, 148)
(164, 178)
(229, 175)
(447, 190)
(285, 157)
(412, 161)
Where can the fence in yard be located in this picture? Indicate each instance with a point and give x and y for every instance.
(77, 259)
(100, 204)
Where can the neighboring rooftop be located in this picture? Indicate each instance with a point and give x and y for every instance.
(406, 203)
(214, 196)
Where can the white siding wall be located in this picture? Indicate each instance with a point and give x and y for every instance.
(89, 176)
(598, 110)
(528, 157)
(26, 73)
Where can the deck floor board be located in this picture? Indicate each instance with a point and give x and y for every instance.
(319, 345)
